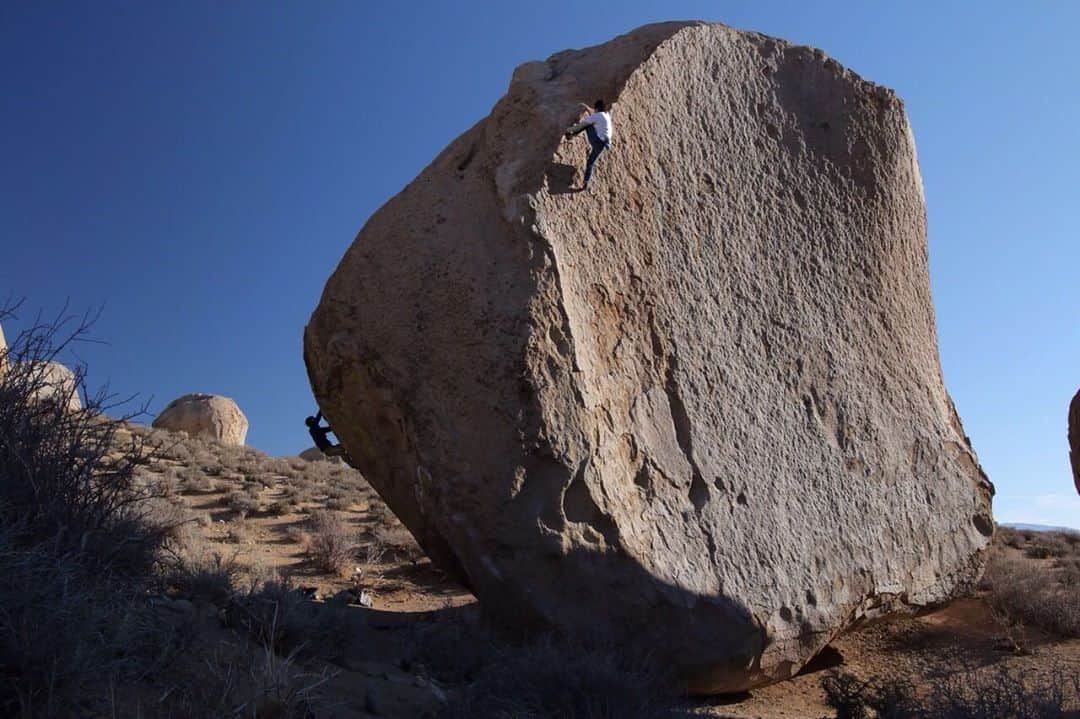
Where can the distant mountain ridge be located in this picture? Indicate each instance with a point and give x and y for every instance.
(1041, 528)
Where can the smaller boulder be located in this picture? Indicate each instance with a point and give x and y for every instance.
(1074, 439)
(58, 383)
(206, 416)
(314, 454)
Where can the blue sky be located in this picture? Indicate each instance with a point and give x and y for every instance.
(200, 168)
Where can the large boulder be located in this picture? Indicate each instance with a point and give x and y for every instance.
(1074, 439)
(208, 416)
(700, 407)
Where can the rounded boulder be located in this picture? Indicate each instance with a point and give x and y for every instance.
(207, 416)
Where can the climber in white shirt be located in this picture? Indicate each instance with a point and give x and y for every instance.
(597, 127)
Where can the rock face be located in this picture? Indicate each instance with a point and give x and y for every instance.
(699, 407)
(208, 416)
(57, 383)
(1074, 439)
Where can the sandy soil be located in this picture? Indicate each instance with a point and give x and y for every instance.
(374, 671)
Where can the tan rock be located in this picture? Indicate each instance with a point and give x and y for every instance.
(699, 407)
(1074, 439)
(207, 416)
(314, 454)
(57, 382)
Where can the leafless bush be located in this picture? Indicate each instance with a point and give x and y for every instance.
(242, 503)
(201, 575)
(234, 683)
(1001, 694)
(557, 679)
(77, 543)
(281, 506)
(195, 481)
(239, 532)
(331, 543)
(1033, 593)
(276, 615)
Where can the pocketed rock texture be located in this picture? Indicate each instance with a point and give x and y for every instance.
(1074, 439)
(699, 407)
(208, 416)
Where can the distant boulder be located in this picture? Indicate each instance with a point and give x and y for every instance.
(58, 383)
(314, 454)
(207, 416)
(1074, 439)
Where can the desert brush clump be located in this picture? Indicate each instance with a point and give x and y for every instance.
(102, 568)
(331, 543)
(77, 539)
(556, 678)
(1039, 588)
(999, 693)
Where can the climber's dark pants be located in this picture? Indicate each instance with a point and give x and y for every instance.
(598, 146)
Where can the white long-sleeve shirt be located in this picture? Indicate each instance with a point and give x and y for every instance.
(602, 122)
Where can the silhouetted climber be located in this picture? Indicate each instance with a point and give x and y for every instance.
(318, 434)
(597, 127)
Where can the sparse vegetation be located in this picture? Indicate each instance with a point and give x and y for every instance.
(131, 584)
(1036, 587)
(331, 543)
(103, 566)
(999, 694)
(76, 540)
(554, 679)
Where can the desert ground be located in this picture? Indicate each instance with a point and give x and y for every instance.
(370, 628)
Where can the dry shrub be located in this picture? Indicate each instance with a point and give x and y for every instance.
(256, 685)
(999, 694)
(194, 481)
(1034, 593)
(557, 679)
(242, 502)
(201, 575)
(77, 543)
(276, 615)
(331, 543)
(280, 507)
(239, 532)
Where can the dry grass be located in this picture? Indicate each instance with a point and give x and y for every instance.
(1036, 586)
(331, 543)
(996, 694)
(549, 678)
(93, 531)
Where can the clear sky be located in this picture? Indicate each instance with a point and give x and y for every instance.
(201, 167)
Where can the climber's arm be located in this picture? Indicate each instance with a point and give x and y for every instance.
(577, 127)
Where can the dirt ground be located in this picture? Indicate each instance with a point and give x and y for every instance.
(388, 599)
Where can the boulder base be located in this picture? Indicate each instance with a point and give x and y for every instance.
(699, 407)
